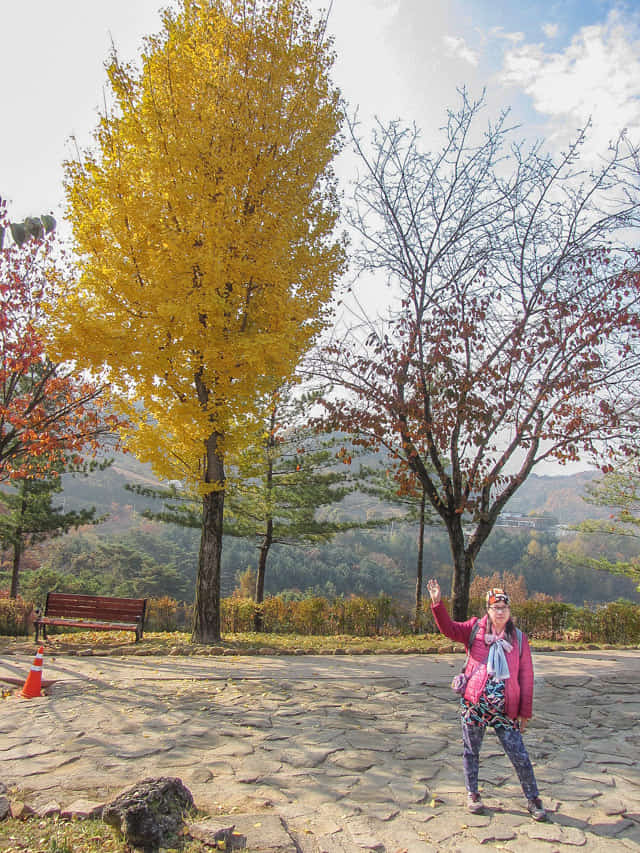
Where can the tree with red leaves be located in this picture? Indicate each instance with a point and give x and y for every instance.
(514, 337)
(48, 415)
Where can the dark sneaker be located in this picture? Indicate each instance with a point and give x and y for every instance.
(474, 803)
(536, 810)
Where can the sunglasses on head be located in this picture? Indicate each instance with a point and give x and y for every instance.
(497, 597)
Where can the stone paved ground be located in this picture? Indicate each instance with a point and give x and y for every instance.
(333, 754)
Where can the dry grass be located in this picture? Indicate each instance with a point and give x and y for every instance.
(108, 643)
(53, 835)
(177, 643)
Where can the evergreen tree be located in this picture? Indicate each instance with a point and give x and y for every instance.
(288, 480)
(281, 489)
(620, 491)
(400, 487)
(29, 516)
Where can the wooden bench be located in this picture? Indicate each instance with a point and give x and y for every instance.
(92, 611)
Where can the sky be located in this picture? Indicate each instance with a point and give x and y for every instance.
(554, 64)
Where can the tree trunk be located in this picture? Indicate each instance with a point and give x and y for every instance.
(18, 545)
(258, 619)
(206, 618)
(17, 554)
(462, 567)
(416, 627)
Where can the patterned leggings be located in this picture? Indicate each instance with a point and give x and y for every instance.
(513, 745)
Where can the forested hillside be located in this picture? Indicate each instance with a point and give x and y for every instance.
(560, 496)
(127, 554)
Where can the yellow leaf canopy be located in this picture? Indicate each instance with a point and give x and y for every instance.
(204, 223)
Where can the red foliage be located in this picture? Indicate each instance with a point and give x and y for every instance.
(512, 335)
(464, 387)
(46, 412)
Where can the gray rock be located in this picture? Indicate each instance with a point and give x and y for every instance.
(493, 833)
(50, 809)
(407, 793)
(263, 832)
(305, 757)
(610, 827)
(151, 814)
(201, 775)
(550, 833)
(20, 810)
(358, 760)
(81, 809)
(5, 807)
(214, 833)
(425, 747)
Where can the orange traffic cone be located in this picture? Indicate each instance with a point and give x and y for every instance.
(33, 683)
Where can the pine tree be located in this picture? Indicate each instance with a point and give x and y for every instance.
(620, 491)
(400, 487)
(281, 489)
(287, 481)
(28, 516)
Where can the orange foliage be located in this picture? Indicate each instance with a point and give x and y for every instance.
(46, 412)
(515, 587)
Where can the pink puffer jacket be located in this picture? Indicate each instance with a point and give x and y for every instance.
(518, 687)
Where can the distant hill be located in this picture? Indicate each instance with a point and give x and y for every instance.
(132, 556)
(106, 489)
(559, 496)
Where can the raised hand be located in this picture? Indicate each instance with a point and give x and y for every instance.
(434, 590)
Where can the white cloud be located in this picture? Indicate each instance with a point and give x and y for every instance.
(458, 48)
(499, 33)
(597, 76)
(550, 30)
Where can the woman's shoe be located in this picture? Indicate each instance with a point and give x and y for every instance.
(474, 803)
(536, 809)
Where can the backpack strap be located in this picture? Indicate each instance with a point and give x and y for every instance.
(472, 635)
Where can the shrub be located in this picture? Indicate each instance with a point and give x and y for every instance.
(236, 614)
(16, 616)
(167, 614)
(315, 615)
(516, 588)
(543, 620)
(162, 614)
(616, 622)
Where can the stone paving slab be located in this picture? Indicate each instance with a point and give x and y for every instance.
(313, 754)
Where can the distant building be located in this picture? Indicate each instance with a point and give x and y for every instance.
(531, 522)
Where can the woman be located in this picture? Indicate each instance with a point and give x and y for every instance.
(499, 690)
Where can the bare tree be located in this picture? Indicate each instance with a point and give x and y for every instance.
(515, 336)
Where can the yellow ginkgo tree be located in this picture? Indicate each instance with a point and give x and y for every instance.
(204, 223)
